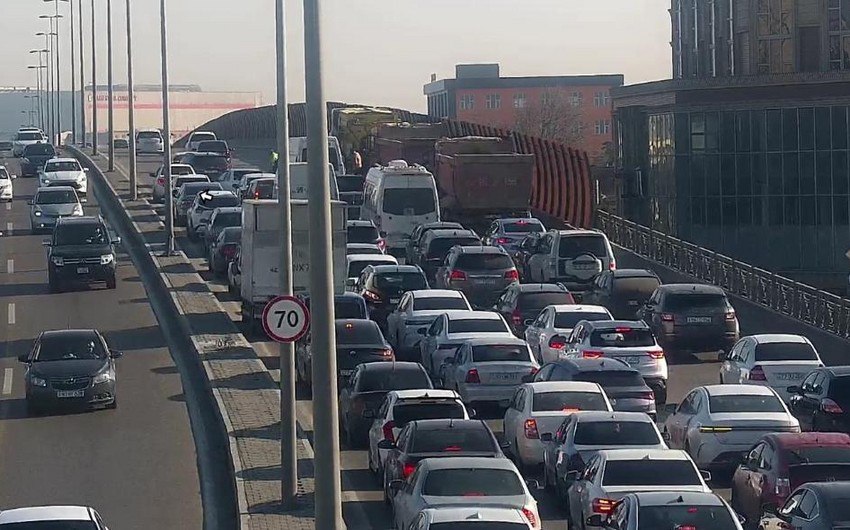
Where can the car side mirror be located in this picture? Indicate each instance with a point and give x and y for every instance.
(25, 358)
(396, 486)
(769, 508)
(573, 475)
(369, 414)
(85, 170)
(473, 414)
(794, 389)
(546, 437)
(175, 193)
(116, 354)
(29, 202)
(504, 445)
(594, 520)
(706, 475)
(386, 444)
(13, 177)
(528, 321)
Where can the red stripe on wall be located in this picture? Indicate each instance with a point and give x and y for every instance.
(179, 106)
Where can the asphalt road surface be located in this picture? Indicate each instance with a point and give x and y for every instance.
(136, 465)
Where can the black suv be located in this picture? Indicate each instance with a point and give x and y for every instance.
(435, 245)
(520, 304)
(81, 251)
(209, 164)
(34, 157)
(692, 317)
(383, 285)
(419, 232)
(822, 400)
(623, 291)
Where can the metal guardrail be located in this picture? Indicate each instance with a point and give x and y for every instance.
(785, 296)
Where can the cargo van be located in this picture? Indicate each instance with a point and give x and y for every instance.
(298, 152)
(299, 181)
(397, 198)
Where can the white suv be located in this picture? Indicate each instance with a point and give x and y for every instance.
(571, 257)
(149, 141)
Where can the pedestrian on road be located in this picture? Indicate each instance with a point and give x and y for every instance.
(274, 158)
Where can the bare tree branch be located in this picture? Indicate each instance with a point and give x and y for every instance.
(554, 117)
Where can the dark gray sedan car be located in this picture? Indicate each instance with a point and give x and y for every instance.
(70, 367)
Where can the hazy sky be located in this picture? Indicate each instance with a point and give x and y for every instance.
(375, 51)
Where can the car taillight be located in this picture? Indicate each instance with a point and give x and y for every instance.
(558, 342)
(160, 181)
(829, 406)
(371, 295)
(457, 275)
(730, 315)
(666, 317)
(387, 353)
(647, 395)
(782, 488)
(592, 354)
(533, 370)
(531, 517)
(382, 244)
(407, 469)
(757, 374)
(531, 429)
(388, 431)
(516, 317)
(512, 275)
(612, 265)
(603, 506)
(503, 241)
(656, 354)
(472, 376)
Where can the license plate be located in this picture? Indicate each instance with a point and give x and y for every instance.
(633, 303)
(788, 376)
(394, 300)
(699, 320)
(632, 359)
(82, 270)
(346, 373)
(486, 281)
(584, 266)
(70, 393)
(504, 377)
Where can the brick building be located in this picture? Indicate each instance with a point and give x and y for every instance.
(479, 94)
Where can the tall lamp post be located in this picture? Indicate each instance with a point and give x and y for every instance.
(59, 94)
(166, 131)
(109, 89)
(82, 77)
(48, 63)
(57, 85)
(131, 116)
(93, 81)
(42, 89)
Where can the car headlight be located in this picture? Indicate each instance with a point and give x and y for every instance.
(37, 213)
(58, 260)
(106, 259)
(37, 381)
(46, 180)
(104, 377)
(78, 209)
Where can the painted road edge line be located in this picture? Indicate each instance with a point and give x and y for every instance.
(11, 313)
(8, 374)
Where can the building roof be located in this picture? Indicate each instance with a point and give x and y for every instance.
(553, 81)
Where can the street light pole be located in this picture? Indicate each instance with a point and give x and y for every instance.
(288, 429)
(39, 112)
(73, 78)
(82, 78)
(131, 118)
(93, 82)
(166, 133)
(49, 80)
(110, 110)
(322, 332)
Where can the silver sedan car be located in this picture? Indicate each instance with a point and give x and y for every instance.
(717, 424)
(49, 204)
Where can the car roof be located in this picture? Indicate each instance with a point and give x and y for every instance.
(371, 257)
(425, 393)
(634, 273)
(640, 454)
(441, 423)
(577, 308)
(461, 314)
(359, 222)
(81, 220)
(218, 193)
(480, 249)
(445, 233)
(45, 513)
(62, 159)
(688, 498)
(436, 293)
(794, 440)
(541, 288)
(766, 338)
(579, 232)
(390, 366)
(394, 268)
(829, 489)
(450, 514)
(227, 209)
(461, 462)
(355, 321)
(588, 416)
(205, 153)
(690, 288)
(737, 390)
(69, 333)
(613, 324)
(595, 365)
(54, 188)
(490, 340)
(543, 387)
(504, 220)
(839, 371)
(362, 245)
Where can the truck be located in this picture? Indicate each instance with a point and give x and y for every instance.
(354, 128)
(260, 253)
(413, 143)
(482, 178)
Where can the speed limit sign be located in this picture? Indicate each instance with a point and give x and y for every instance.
(286, 319)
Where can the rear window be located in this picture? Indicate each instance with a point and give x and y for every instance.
(39, 149)
(453, 440)
(401, 281)
(537, 301)
(181, 170)
(228, 219)
(611, 378)
(616, 433)
(636, 285)
(232, 235)
(434, 303)
(348, 309)
(439, 247)
(650, 473)
(569, 320)
(365, 332)
(201, 136)
(386, 380)
(623, 337)
(500, 352)
(149, 135)
(744, 403)
(217, 201)
(215, 163)
(404, 412)
(476, 325)
(574, 246)
(523, 227)
(189, 179)
(28, 136)
(347, 184)
(813, 454)
(484, 262)
(356, 267)
(685, 516)
(568, 401)
(410, 201)
(695, 301)
(839, 388)
(785, 351)
(362, 234)
(217, 146)
(472, 482)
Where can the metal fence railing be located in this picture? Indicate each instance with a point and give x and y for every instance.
(794, 299)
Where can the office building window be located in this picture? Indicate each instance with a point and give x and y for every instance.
(775, 39)
(494, 101)
(838, 17)
(520, 101)
(467, 102)
(576, 99)
(603, 127)
(601, 99)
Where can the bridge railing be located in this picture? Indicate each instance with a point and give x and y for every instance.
(791, 298)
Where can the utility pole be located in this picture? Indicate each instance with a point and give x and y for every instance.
(166, 133)
(131, 119)
(73, 78)
(109, 89)
(288, 432)
(325, 409)
(93, 82)
(82, 78)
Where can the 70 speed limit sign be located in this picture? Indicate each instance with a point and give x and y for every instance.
(286, 319)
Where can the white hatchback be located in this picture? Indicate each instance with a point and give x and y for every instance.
(6, 191)
(547, 334)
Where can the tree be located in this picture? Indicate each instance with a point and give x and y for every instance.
(555, 116)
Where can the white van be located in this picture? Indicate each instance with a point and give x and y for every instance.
(298, 152)
(397, 198)
(298, 181)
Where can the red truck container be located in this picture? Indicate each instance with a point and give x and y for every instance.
(413, 143)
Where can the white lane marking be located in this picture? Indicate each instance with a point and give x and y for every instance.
(9, 227)
(8, 206)
(7, 381)
(10, 266)
(11, 313)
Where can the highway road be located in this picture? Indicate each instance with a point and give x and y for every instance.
(363, 506)
(136, 465)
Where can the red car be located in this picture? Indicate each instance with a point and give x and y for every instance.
(781, 462)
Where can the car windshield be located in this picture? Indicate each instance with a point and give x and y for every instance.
(149, 135)
(680, 516)
(364, 250)
(63, 347)
(56, 197)
(537, 301)
(441, 302)
(395, 379)
(622, 337)
(472, 482)
(646, 472)
(4, 175)
(616, 433)
(401, 281)
(611, 378)
(217, 201)
(785, 351)
(50, 525)
(410, 201)
(476, 325)
(486, 353)
(70, 165)
(232, 235)
(214, 146)
(448, 440)
(30, 136)
(215, 163)
(695, 301)
(644, 285)
(362, 234)
(744, 403)
(484, 262)
(365, 332)
(523, 227)
(410, 410)
(569, 319)
(568, 401)
(39, 150)
(80, 234)
(574, 246)
(824, 453)
(228, 219)
(349, 183)
(439, 247)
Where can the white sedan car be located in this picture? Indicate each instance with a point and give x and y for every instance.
(416, 311)
(484, 482)
(158, 176)
(547, 334)
(775, 360)
(471, 516)
(451, 329)
(203, 207)
(539, 408)
(64, 172)
(355, 263)
(6, 191)
(717, 424)
(51, 517)
(25, 138)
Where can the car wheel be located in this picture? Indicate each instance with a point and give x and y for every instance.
(386, 489)
(660, 395)
(111, 282)
(114, 404)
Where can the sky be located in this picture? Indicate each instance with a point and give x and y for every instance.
(374, 51)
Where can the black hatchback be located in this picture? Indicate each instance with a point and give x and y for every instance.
(358, 341)
(383, 285)
(821, 401)
(623, 292)
(34, 157)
